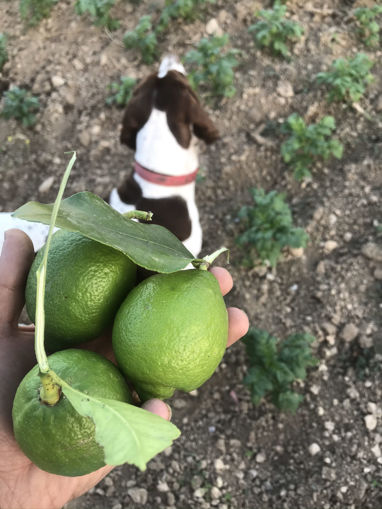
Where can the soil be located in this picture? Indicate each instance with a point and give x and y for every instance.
(233, 455)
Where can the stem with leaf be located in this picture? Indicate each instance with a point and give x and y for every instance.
(49, 391)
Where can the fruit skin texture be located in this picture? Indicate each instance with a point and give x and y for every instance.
(85, 284)
(56, 438)
(171, 332)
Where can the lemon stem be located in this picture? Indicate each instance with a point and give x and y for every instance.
(50, 392)
(204, 263)
(41, 357)
(138, 214)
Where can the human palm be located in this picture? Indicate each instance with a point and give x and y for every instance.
(22, 484)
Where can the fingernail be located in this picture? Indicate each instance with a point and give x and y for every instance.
(169, 412)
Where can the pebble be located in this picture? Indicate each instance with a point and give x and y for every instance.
(213, 28)
(330, 245)
(376, 450)
(179, 403)
(372, 251)
(285, 89)
(138, 495)
(260, 457)
(162, 486)
(215, 493)
(314, 449)
(170, 498)
(57, 81)
(219, 465)
(199, 493)
(46, 184)
(296, 252)
(371, 421)
(349, 332)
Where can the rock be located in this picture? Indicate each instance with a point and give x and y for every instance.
(199, 493)
(162, 486)
(213, 28)
(329, 328)
(372, 251)
(138, 495)
(57, 81)
(376, 450)
(215, 493)
(314, 449)
(170, 499)
(296, 252)
(285, 89)
(219, 465)
(372, 407)
(371, 422)
(378, 274)
(378, 106)
(84, 138)
(349, 332)
(330, 245)
(260, 457)
(46, 184)
(179, 403)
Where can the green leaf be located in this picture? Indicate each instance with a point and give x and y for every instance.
(148, 245)
(128, 434)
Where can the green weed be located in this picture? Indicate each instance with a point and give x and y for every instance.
(268, 228)
(121, 91)
(275, 365)
(307, 143)
(347, 78)
(19, 104)
(179, 9)
(3, 50)
(212, 67)
(99, 12)
(274, 31)
(33, 11)
(143, 38)
(368, 27)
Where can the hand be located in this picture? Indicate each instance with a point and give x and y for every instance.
(22, 484)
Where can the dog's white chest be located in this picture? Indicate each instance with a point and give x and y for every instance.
(158, 150)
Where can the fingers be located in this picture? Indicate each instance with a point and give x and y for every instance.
(158, 407)
(15, 261)
(238, 325)
(224, 279)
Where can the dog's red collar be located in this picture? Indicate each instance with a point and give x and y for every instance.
(164, 180)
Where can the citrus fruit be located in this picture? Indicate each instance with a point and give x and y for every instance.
(171, 332)
(85, 284)
(56, 438)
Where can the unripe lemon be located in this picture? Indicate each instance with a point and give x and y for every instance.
(85, 284)
(56, 438)
(171, 332)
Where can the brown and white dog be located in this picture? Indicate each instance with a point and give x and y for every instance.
(161, 123)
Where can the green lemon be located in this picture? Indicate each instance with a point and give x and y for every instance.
(85, 284)
(171, 332)
(56, 438)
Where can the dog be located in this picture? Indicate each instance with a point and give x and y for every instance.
(162, 123)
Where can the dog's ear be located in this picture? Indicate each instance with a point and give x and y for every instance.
(138, 111)
(204, 128)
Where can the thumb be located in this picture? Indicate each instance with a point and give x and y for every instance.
(15, 261)
(159, 407)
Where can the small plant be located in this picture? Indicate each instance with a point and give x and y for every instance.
(3, 50)
(144, 39)
(268, 228)
(306, 143)
(347, 79)
(212, 67)
(99, 11)
(122, 91)
(274, 31)
(33, 11)
(179, 9)
(368, 28)
(19, 104)
(275, 365)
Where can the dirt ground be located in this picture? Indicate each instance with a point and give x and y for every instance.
(232, 455)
